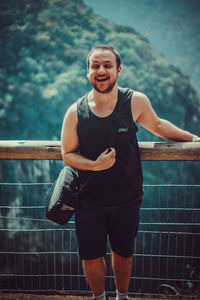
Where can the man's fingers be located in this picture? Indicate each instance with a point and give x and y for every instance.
(109, 151)
(106, 159)
(112, 150)
(106, 151)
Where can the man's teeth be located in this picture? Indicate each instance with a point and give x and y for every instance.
(101, 79)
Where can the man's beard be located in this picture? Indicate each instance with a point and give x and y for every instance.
(106, 91)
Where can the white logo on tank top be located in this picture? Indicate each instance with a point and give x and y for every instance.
(123, 130)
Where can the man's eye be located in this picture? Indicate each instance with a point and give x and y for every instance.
(107, 66)
(95, 66)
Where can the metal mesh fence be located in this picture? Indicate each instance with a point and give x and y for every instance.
(39, 256)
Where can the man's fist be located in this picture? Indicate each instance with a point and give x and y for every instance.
(105, 160)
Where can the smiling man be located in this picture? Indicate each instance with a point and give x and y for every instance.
(99, 138)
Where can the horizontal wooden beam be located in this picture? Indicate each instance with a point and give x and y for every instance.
(30, 150)
(52, 150)
(169, 151)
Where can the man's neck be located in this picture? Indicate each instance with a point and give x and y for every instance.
(99, 98)
(103, 104)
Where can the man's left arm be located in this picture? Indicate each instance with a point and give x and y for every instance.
(169, 131)
(144, 114)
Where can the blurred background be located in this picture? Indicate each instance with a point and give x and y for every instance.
(43, 48)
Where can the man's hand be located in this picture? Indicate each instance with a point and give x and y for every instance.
(196, 138)
(105, 160)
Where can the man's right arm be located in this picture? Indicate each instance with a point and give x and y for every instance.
(70, 142)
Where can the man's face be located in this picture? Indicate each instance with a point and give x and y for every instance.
(102, 71)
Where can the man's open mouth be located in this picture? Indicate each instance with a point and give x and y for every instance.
(102, 79)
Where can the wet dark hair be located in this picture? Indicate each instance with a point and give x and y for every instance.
(105, 47)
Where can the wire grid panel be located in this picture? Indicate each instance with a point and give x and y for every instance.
(38, 256)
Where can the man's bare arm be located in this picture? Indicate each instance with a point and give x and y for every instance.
(144, 114)
(70, 142)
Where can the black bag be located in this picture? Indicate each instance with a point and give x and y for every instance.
(62, 197)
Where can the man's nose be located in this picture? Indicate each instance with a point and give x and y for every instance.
(101, 69)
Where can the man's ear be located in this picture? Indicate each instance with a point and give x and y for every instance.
(119, 71)
(87, 72)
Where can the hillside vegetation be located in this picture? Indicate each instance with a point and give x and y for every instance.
(43, 70)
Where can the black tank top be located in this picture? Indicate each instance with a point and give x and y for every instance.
(121, 183)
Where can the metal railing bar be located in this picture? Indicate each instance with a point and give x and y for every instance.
(36, 229)
(73, 229)
(141, 223)
(170, 208)
(30, 219)
(171, 185)
(25, 183)
(22, 207)
(86, 292)
(144, 185)
(108, 253)
(108, 276)
(170, 224)
(142, 208)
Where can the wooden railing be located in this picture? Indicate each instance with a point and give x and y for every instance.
(38, 257)
(52, 150)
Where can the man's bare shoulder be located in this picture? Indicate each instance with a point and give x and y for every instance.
(139, 104)
(72, 110)
(71, 114)
(139, 98)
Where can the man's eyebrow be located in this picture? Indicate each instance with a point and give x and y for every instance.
(105, 61)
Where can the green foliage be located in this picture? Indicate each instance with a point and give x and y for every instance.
(130, 57)
(43, 67)
(190, 288)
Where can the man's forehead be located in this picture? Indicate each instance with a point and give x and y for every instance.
(102, 55)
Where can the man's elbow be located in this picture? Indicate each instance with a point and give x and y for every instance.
(65, 157)
(159, 128)
(68, 158)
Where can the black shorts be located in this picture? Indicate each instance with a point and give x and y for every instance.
(95, 224)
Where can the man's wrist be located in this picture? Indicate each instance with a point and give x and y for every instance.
(195, 138)
(93, 166)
